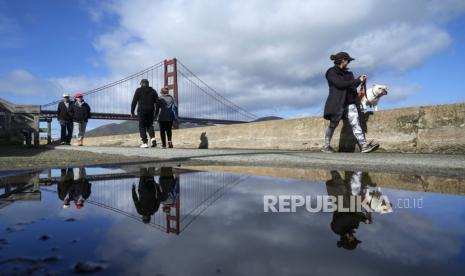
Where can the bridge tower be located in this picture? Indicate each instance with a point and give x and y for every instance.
(174, 218)
(176, 209)
(171, 80)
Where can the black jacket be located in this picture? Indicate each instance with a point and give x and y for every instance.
(145, 98)
(80, 113)
(148, 201)
(74, 189)
(65, 183)
(341, 83)
(64, 113)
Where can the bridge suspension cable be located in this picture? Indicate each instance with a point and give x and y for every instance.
(196, 99)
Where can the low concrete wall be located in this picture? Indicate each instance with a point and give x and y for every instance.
(425, 129)
(432, 184)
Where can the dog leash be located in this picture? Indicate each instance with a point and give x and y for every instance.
(365, 91)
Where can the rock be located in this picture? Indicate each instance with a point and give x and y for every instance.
(44, 237)
(51, 259)
(88, 267)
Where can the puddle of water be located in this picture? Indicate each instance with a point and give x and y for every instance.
(172, 221)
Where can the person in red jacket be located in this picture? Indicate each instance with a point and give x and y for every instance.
(81, 114)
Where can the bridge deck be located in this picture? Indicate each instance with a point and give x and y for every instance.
(47, 114)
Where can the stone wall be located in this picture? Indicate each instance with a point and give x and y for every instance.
(425, 129)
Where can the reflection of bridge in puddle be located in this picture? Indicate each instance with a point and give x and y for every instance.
(197, 191)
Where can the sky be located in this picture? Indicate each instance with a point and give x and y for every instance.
(266, 56)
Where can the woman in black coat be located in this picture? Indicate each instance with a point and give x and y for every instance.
(343, 101)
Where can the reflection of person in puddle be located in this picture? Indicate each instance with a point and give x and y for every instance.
(148, 201)
(169, 183)
(64, 185)
(74, 186)
(345, 223)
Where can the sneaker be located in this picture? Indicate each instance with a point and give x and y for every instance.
(153, 143)
(62, 143)
(327, 149)
(144, 145)
(369, 147)
(163, 146)
(170, 145)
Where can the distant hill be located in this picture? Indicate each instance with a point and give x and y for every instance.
(268, 118)
(128, 127)
(125, 127)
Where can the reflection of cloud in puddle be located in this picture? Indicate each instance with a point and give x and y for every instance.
(234, 230)
(234, 234)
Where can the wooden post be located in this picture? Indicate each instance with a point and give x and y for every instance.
(49, 131)
(36, 130)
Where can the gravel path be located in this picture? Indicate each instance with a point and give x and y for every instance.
(425, 164)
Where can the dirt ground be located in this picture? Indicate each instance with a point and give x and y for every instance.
(16, 158)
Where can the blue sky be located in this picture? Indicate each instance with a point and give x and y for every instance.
(53, 46)
(50, 38)
(442, 76)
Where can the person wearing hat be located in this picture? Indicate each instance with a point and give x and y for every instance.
(343, 102)
(81, 114)
(66, 120)
(147, 202)
(145, 98)
(74, 187)
(166, 117)
(82, 188)
(344, 223)
(65, 183)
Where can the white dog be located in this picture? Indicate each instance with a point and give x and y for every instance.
(378, 202)
(373, 94)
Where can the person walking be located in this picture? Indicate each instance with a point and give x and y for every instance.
(65, 119)
(147, 202)
(167, 106)
(343, 102)
(80, 111)
(145, 98)
(169, 183)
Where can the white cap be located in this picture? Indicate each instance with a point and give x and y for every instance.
(65, 95)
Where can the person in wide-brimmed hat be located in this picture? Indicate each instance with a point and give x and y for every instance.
(343, 101)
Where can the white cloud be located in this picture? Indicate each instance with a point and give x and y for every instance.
(261, 54)
(399, 46)
(22, 83)
(267, 56)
